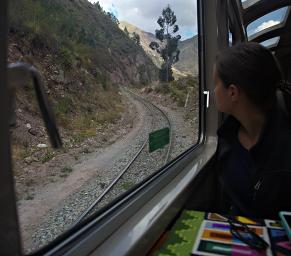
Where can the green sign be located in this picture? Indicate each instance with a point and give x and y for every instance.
(159, 139)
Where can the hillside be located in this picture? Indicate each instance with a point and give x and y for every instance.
(84, 58)
(145, 39)
(188, 63)
(80, 33)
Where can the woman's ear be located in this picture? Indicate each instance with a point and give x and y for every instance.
(233, 92)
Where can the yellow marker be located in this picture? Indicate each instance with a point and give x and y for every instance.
(246, 220)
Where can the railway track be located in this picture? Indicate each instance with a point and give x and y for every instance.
(129, 167)
(156, 114)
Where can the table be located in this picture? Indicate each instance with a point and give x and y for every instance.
(200, 233)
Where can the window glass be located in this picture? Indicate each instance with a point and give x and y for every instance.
(119, 75)
(266, 21)
(248, 3)
(271, 42)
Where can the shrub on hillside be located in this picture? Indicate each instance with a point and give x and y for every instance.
(66, 58)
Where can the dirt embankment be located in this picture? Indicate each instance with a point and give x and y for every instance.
(34, 174)
(88, 116)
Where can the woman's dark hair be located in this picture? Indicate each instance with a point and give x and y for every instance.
(253, 68)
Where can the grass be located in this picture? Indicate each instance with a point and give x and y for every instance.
(163, 88)
(81, 113)
(49, 154)
(65, 171)
(80, 135)
(178, 89)
(29, 183)
(64, 175)
(24, 150)
(20, 152)
(102, 185)
(64, 149)
(87, 151)
(178, 95)
(127, 185)
(63, 105)
(29, 197)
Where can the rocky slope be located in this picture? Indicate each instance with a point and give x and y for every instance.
(83, 58)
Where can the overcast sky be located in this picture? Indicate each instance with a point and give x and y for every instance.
(144, 13)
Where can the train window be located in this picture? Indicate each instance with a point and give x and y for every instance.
(122, 77)
(271, 42)
(269, 20)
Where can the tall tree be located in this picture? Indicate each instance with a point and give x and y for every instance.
(168, 46)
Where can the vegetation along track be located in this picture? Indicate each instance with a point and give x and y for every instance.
(130, 175)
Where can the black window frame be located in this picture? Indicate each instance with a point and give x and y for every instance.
(9, 229)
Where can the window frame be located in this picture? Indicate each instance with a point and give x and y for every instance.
(236, 22)
(9, 228)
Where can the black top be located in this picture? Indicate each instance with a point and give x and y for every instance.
(239, 172)
(257, 182)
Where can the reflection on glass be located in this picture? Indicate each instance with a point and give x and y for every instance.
(271, 42)
(96, 62)
(248, 3)
(230, 38)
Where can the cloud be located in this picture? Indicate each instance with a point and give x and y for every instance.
(266, 24)
(144, 14)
